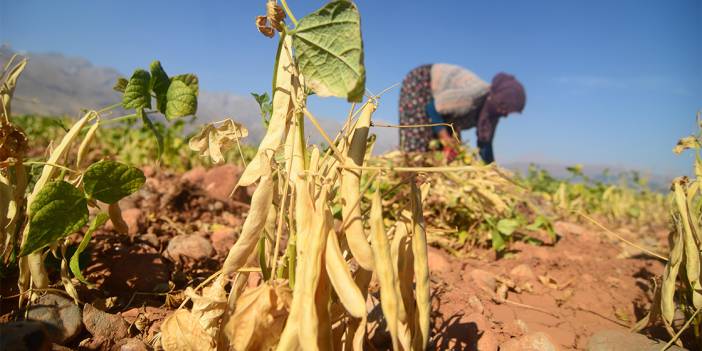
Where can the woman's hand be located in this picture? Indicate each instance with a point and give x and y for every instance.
(450, 145)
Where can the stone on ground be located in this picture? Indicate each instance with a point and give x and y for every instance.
(62, 317)
(622, 340)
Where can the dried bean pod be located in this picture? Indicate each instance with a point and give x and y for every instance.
(341, 278)
(351, 191)
(384, 268)
(421, 270)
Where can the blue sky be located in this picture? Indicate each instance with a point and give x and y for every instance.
(608, 82)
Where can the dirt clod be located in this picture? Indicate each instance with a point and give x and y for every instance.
(532, 342)
(105, 325)
(189, 246)
(617, 340)
(60, 315)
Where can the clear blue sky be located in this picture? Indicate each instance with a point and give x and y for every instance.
(608, 82)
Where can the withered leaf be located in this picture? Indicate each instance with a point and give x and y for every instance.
(212, 141)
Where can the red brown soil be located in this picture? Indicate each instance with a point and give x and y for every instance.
(583, 283)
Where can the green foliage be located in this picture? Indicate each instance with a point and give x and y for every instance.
(629, 200)
(329, 51)
(110, 181)
(136, 94)
(175, 97)
(265, 105)
(159, 85)
(59, 209)
(97, 222)
(507, 226)
(181, 100)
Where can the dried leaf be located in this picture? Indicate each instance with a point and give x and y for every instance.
(259, 317)
(212, 141)
(209, 307)
(181, 331)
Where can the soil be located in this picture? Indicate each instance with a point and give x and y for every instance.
(584, 283)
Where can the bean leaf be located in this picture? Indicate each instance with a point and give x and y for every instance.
(136, 93)
(110, 181)
(329, 49)
(99, 220)
(120, 84)
(190, 80)
(182, 100)
(58, 210)
(159, 85)
(507, 226)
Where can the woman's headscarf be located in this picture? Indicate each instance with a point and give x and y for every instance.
(507, 93)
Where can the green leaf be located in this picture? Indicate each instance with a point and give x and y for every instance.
(498, 242)
(120, 84)
(182, 100)
(507, 226)
(154, 131)
(329, 51)
(136, 94)
(98, 221)
(58, 210)
(159, 84)
(110, 181)
(265, 105)
(190, 80)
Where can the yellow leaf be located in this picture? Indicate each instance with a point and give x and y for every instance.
(211, 140)
(181, 331)
(259, 318)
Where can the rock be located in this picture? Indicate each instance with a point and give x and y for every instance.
(195, 175)
(24, 336)
(95, 343)
(61, 316)
(132, 217)
(532, 342)
(102, 324)
(189, 246)
(437, 261)
(622, 340)
(130, 344)
(484, 280)
(475, 304)
(152, 239)
(565, 228)
(222, 238)
(220, 181)
(522, 273)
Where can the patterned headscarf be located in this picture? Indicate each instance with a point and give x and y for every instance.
(507, 93)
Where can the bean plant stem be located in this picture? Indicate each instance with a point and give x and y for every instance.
(288, 12)
(684, 327)
(643, 249)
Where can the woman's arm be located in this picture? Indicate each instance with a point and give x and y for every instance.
(487, 123)
(447, 141)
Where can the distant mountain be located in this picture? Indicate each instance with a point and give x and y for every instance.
(56, 85)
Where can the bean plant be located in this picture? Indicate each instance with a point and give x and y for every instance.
(36, 216)
(314, 236)
(680, 289)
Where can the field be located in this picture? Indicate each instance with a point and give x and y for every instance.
(127, 232)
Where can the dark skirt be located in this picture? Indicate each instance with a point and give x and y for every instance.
(414, 96)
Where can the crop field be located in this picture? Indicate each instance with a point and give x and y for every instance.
(137, 227)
